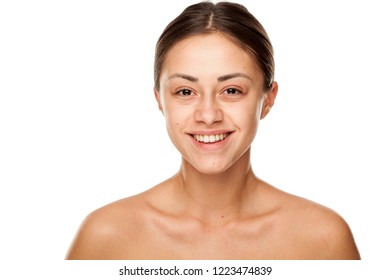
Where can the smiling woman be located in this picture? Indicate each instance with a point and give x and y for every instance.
(214, 72)
(219, 91)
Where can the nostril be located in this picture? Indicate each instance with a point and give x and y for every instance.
(208, 116)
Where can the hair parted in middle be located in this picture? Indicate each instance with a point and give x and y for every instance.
(231, 19)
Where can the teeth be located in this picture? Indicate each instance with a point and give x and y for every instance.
(210, 138)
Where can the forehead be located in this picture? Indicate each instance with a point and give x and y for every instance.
(209, 54)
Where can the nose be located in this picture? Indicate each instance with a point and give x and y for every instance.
(208, 111)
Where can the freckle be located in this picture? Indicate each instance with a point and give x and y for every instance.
(177, 123)
(222, 217)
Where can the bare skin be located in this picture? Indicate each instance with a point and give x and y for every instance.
(214, 207)
(271, 224)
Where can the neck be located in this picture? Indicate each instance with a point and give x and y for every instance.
(212, 197)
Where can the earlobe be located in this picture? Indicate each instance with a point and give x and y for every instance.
(269, 100)
(157, 96)
(265, 111)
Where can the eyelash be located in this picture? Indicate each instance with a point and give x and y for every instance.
(181, 92)
(188, 92)
(237, 91)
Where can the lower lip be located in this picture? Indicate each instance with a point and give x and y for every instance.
(211, 146)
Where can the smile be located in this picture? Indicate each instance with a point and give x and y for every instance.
(210, 138)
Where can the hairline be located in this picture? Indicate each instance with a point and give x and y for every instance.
(211, 31)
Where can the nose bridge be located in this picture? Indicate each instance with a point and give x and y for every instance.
(208, 109)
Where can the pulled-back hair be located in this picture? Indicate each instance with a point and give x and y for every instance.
(231, 19)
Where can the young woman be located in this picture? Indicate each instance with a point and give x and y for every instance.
(214, 72)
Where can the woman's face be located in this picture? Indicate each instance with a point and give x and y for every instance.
(211, 94)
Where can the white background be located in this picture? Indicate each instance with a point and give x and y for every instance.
(79, 126)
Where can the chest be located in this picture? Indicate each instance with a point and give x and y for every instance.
(207, 245)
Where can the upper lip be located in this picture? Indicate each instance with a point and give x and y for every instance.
(209, 132)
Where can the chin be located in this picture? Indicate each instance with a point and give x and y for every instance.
(212, 168)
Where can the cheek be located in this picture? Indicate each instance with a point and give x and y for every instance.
(250, 113)
(250, 121)
(175, 117)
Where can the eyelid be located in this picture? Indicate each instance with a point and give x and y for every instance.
(239, 90)
(178, 91)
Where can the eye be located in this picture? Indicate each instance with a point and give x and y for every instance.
(232, 91)
(184, 92)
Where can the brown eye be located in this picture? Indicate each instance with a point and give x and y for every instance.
(233, 91)
(184, 92)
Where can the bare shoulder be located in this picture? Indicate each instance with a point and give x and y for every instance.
(106, 230)
(319, 231)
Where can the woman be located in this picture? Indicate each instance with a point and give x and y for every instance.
(214, 73)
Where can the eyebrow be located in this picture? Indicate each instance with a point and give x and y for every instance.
(183, 76)
(219, 79)
(233, 75)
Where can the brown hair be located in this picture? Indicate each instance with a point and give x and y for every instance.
(231, 19)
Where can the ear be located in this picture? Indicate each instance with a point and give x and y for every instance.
(269, 99)
(157, 96)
